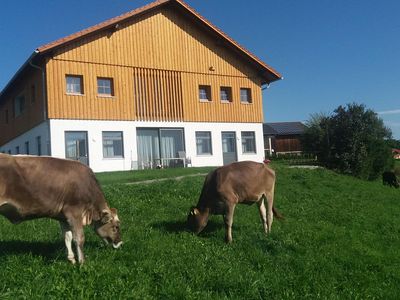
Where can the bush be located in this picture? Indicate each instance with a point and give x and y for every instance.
(352, 140)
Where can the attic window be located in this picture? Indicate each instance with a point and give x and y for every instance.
(226, 94)
(105, 86)
(205, 93)
(74, 84)
(245, 95)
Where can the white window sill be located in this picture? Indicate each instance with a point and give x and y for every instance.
(74, 94)
(106, 96)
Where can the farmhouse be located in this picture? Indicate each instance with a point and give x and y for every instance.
(157, 86)
(283, 138)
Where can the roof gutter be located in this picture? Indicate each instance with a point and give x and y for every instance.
(43, 71)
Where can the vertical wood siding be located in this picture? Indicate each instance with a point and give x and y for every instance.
(33, 111)
(157, 63)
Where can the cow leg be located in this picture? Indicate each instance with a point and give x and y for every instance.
(270, 215)
(67, 235)
(228, 219)
(79, 239)
(263, 213)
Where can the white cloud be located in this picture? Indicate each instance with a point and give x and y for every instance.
(389, 112)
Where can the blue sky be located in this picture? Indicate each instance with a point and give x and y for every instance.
(330, 52)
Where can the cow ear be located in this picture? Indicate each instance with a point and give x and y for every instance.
(114, 211)
(106, 216)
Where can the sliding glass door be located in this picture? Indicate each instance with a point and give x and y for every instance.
(159, 147)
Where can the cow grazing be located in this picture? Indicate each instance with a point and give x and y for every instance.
(36, 187)
(389, 178)
(244, 182)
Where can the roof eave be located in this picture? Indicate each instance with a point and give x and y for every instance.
(16, 75)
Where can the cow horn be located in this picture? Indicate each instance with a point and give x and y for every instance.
(194, 211)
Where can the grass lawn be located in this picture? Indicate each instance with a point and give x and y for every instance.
(340, 240)
(106, 178)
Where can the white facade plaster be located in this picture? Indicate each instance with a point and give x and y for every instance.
(95, 148)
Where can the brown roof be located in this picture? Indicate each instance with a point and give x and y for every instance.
(144, 9)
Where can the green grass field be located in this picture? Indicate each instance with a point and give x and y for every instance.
(340, 240)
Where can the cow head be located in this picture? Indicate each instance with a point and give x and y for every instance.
(108, 227)
(196, 221)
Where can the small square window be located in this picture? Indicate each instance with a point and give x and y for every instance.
(205, 93)
(74, 84)
(245, 95)
(105, 86)
(225, 94)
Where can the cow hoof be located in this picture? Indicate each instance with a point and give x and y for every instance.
(72, 260)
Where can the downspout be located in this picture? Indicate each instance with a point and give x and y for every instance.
(44, 91)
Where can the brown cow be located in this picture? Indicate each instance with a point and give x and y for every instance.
(244, 182)
(36, 187)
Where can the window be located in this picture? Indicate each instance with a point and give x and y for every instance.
(203, 143)
(205, 93)
(248, 142)
(39, 145)
(112, 144)
(9, 152)
(19, 105)
(245, 95)
(105, 86)
(27, 147)
(33, 94)
(17, 150)
(225, 94)
(74, 84)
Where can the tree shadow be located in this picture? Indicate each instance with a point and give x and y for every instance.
(48, 250)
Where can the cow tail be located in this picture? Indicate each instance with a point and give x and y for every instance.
(277, 214)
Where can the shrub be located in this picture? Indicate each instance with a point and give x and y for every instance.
(352, 140)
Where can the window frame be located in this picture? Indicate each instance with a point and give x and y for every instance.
(209, 138)
(207, 89)
(27, 150)
(105, 153)
(248, 99)
(245, 144)
(228, 91)
(82, 89)
(33, 93)
(39, 145)
(21, 108)
(111, 87)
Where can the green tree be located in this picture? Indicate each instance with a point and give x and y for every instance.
(352, 140)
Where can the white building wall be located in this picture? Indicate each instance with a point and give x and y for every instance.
(30, 136)
(95, 148)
